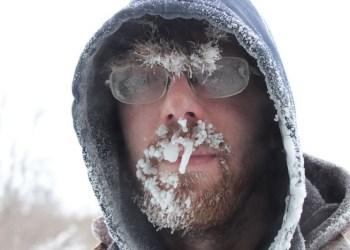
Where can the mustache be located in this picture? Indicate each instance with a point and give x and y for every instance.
(179, 140)
(203, 135)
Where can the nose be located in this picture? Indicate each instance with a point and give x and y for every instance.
(181, 101)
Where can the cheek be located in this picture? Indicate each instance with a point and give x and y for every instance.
(138, 124)
(233, 120)
(240, 119)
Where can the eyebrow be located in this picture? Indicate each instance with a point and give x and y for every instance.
(119, 60)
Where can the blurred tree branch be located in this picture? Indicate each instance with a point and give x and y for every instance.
(31, 217)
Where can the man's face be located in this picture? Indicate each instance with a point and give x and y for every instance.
(217, 181)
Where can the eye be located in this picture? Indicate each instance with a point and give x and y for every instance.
(136, 84)
(193, 78)
(243, 71)
(145, 80)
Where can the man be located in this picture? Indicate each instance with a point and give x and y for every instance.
(188, 130)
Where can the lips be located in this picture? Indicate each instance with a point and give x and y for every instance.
(199, 153)
(200, 159)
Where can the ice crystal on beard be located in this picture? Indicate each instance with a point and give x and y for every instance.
(163, 208)
(188, 148)
(169, 179)
(170, 151)
(183, 124)
(162, 130)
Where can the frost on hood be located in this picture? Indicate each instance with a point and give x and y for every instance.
(172, 211)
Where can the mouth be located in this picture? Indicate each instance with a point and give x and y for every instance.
(199, 160)
(201, 149)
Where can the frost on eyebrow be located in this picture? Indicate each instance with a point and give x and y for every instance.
(162, 53)
(206, 55)
(170, 55)
(205, 58)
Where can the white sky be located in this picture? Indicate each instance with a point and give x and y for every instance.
(40, 44)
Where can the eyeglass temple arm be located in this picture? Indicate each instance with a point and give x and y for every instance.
(255, 71)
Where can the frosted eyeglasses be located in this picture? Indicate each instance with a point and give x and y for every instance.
(139, 84)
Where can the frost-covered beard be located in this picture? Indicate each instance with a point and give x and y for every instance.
(181, 200)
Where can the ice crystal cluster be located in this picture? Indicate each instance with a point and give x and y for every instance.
(168, 54)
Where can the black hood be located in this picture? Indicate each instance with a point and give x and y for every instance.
(96, 126)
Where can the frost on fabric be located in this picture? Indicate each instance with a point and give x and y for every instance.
(173, 212)
(297, 191)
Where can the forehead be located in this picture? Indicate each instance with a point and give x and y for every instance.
(184, 34)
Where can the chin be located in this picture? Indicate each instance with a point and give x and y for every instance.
(198, 177)
(202, 199)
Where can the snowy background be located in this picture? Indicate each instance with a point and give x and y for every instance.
(41, 41)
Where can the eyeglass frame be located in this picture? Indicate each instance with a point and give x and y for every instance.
(252, 71)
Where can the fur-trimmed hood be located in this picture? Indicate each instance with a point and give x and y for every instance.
(96, 131)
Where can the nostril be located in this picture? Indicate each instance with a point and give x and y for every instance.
(188, 115)
(191, 114)
(170, 117)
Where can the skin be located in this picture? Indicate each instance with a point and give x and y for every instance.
(245, 120)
